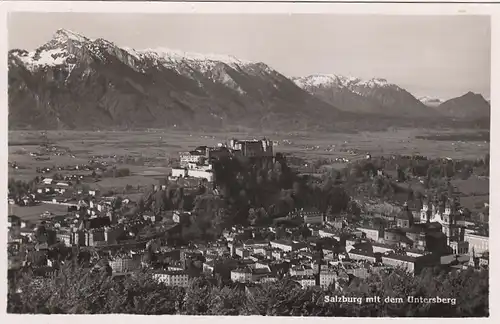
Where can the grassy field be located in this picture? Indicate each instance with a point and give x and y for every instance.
(475, 193)
(472, 185)
(133, 180)
(33, 213)
(161, 145)
(474, 203)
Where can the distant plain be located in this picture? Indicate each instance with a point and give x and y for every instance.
(157, 146)
(157, 143)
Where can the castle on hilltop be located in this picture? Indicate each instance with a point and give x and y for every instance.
(198, 163)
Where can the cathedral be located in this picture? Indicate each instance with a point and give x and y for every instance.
(444, 213)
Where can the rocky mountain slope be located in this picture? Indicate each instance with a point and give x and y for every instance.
(375, 96)
(469, 106)
(73, 82)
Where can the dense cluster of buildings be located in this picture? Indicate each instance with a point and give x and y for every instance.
(334, 252)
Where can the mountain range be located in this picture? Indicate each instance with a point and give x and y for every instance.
(470, 105)
(430, 101)
(74, 82)
(375, 96)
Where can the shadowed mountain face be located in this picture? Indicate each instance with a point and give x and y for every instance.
(77, 83)
(470, 106)
(375, 96)
(73, 82)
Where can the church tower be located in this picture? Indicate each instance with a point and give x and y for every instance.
(450, 227)
(405, 218)
(425, 212)
(447, 221)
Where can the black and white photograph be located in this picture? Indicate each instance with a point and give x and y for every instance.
(300, 164)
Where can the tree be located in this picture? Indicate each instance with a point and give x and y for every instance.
(466, 172)
(401, 176)
(75, 290)
(160, 201)
(177, 198)
(257, 216)
(411, 194)
(117, 203)
(141, 205)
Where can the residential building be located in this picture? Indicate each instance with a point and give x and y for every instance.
(402, 261)
(382, 248)
(415, 252)
(305, 281)
(286, 246)
(277, 254)
(361, 255)
(202, 174)
(268, 279)
(301, 270)
(411, 264)
(477, 243)
(310, 216)
(459, 247)
(256, 244)
(327, 277)
(179, 172)
(172, 278)
(243, 252)
(328, 233)
(259, 273)
(124, 264)
(65, 236)
(241, 275)
(336, 222)
(372, 233)
(47, 181)
(193, 173)
(359, 272)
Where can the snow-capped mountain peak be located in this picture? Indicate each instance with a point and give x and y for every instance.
(35, 59)
(374, 82)
(174, 56)
(373, 95)
(63, 35)
(430, 101)
(82, 82)
(67, 44)
(320, 80)
(182, 55)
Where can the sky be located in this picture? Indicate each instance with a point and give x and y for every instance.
(436, 56)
